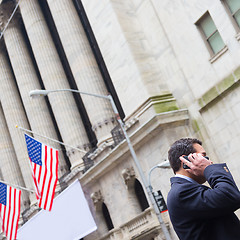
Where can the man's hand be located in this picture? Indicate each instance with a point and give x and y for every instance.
(197, 165)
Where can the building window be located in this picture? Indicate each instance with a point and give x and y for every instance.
(140, 195)
(210, 34)
(107, 217)
(233, 9)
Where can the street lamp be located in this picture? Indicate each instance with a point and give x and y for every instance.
(109, 97)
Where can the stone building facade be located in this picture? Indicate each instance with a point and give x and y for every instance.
(172, 68)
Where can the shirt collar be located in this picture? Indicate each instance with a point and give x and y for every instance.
(185, 177)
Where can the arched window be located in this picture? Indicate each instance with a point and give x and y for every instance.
(107, 217)
(140, 195)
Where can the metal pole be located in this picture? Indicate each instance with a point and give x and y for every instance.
(16, 186)
(148, 187)
(9, 20)
(64, 144)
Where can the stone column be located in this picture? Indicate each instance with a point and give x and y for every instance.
(9, 166)
(53, 76)
(37, 111)
(83, 66)
(15, 115)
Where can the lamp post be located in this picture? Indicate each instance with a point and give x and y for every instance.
(136, 161)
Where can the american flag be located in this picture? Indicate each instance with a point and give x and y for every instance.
(44, 164)
(10, 199)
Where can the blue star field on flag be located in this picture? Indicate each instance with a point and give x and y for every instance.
(3, 193)
(34, 150)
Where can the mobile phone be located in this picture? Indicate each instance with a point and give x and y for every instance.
(186, 157)
(184, 165)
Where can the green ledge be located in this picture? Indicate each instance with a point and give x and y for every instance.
(225, 85)
(237, 73)
(164, 103)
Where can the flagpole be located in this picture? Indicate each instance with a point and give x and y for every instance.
(16, 186)
(26, 130)
(15, 9)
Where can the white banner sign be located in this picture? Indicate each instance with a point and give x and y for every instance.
(69, 219)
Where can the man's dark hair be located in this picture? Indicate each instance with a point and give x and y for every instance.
(183, 146)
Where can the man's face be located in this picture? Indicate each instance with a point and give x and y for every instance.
(199, 149)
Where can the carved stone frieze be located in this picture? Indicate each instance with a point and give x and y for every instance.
(129, 175)
(103, 123)
(86, 147)
(97, 199)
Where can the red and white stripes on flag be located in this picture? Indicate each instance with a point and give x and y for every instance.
(44, 164)
(10, 199)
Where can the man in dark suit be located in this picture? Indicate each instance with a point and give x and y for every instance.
(198, 212)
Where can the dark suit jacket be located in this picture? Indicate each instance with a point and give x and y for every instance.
(200, 212)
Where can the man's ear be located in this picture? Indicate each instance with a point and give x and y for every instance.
(181, 166)
(181, 161)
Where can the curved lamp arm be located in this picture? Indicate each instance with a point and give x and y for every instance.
(38, 93)
(164, 164)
